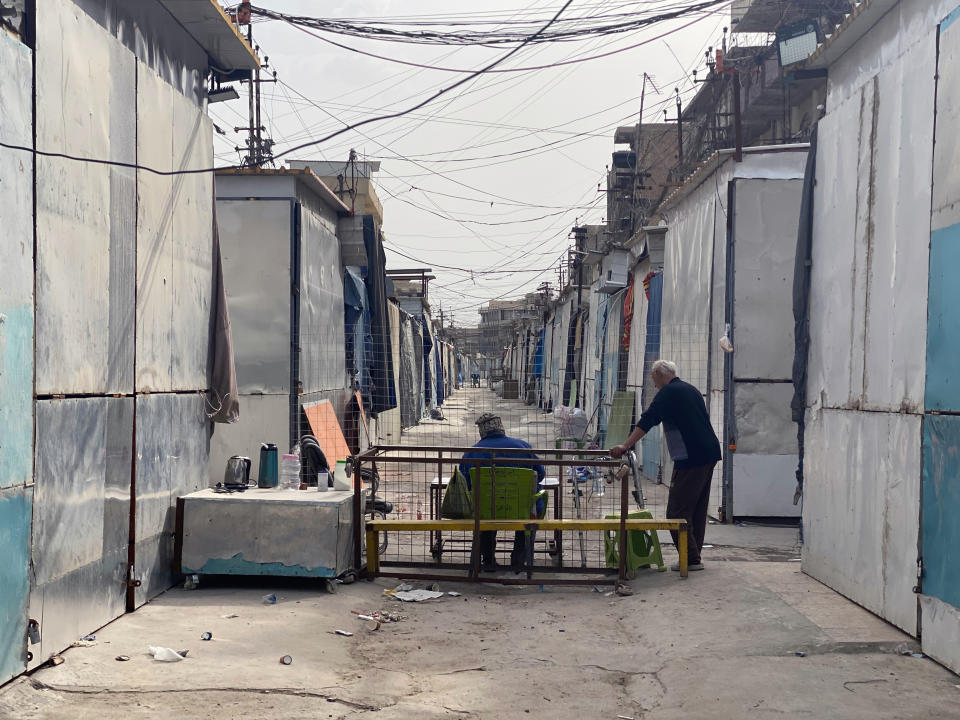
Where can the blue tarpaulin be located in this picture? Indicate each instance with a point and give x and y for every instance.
(358, 339)
(538, 356)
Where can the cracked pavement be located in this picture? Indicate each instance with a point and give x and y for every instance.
(722, 644)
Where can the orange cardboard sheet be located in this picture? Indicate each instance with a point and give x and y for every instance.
(363, 415)
(326, 428)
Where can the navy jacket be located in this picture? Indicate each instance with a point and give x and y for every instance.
(503, 441)
(686, 425)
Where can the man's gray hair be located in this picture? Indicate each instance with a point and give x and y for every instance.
(664, 367)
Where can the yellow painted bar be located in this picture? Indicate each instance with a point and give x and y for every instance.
(682, 550)
(467, 525)
(373, 550)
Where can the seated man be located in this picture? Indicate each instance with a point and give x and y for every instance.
(492, 436)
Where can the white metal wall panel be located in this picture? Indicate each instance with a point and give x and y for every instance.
(263, 419)
(861, 508)
(941, 631)
(897, 266)
(255, 247)
(764, 485)
(718, 321)
(833, 322)
(85, 213)
(322, 359)
(173, 457)
(686, 280)
(638, 338)
(910, 22)
(763, 421)
(765, 242)
(946, 162)
(174, 239)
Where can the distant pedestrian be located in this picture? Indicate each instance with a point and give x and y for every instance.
(693, 447)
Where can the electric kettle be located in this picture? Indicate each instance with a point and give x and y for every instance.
(237, 472)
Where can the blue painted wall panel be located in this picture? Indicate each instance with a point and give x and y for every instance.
(15, 511)
(943, 321)
(941, 507)
(16, 395)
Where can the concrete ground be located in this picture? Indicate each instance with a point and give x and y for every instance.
(750, 636)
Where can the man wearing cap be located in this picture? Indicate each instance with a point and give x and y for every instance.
(493, 436)
(693, 446)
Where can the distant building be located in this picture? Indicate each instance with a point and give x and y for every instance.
(499, 320)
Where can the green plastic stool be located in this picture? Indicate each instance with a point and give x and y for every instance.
(643, 546)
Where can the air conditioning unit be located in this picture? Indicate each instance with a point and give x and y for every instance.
(614, 271)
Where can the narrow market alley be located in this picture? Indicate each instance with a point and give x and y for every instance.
(750, 637)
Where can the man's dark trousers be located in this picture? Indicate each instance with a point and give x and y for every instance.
(689, 499)
(488, 546)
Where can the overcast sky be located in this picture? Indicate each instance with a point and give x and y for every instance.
(452, 196)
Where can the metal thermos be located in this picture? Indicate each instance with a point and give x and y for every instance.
(269, 476)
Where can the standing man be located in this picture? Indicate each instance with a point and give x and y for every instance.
(493, 436)
(693, 446)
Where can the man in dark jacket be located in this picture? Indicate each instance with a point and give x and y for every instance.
(693, 446)
(493, 436)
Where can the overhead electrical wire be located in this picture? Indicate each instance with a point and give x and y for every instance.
(519, 69)
(443, 91)
(566, 30)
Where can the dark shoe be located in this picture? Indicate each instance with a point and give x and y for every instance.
(490, 566)
(690, 566)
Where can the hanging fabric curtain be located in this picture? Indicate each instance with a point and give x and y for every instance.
(628, 314)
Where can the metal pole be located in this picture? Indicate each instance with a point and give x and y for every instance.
(636, 162)
(679, 131)
(624, 509)
(251, 132)
(475, 565)
(737, 124)
(357, 514)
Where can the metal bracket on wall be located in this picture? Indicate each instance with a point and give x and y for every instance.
(132, 581)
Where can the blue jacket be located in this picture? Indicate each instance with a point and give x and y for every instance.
(503, 441)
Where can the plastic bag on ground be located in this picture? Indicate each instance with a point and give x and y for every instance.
(165, 654)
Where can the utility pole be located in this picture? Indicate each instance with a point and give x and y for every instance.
(737, 121)
(679, 128)
(637, 175)
(259, 150)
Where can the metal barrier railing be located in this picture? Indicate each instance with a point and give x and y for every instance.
(413, 459)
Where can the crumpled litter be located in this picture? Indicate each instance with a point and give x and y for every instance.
(413, 595)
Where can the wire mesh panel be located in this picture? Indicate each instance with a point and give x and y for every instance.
(562, 397)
